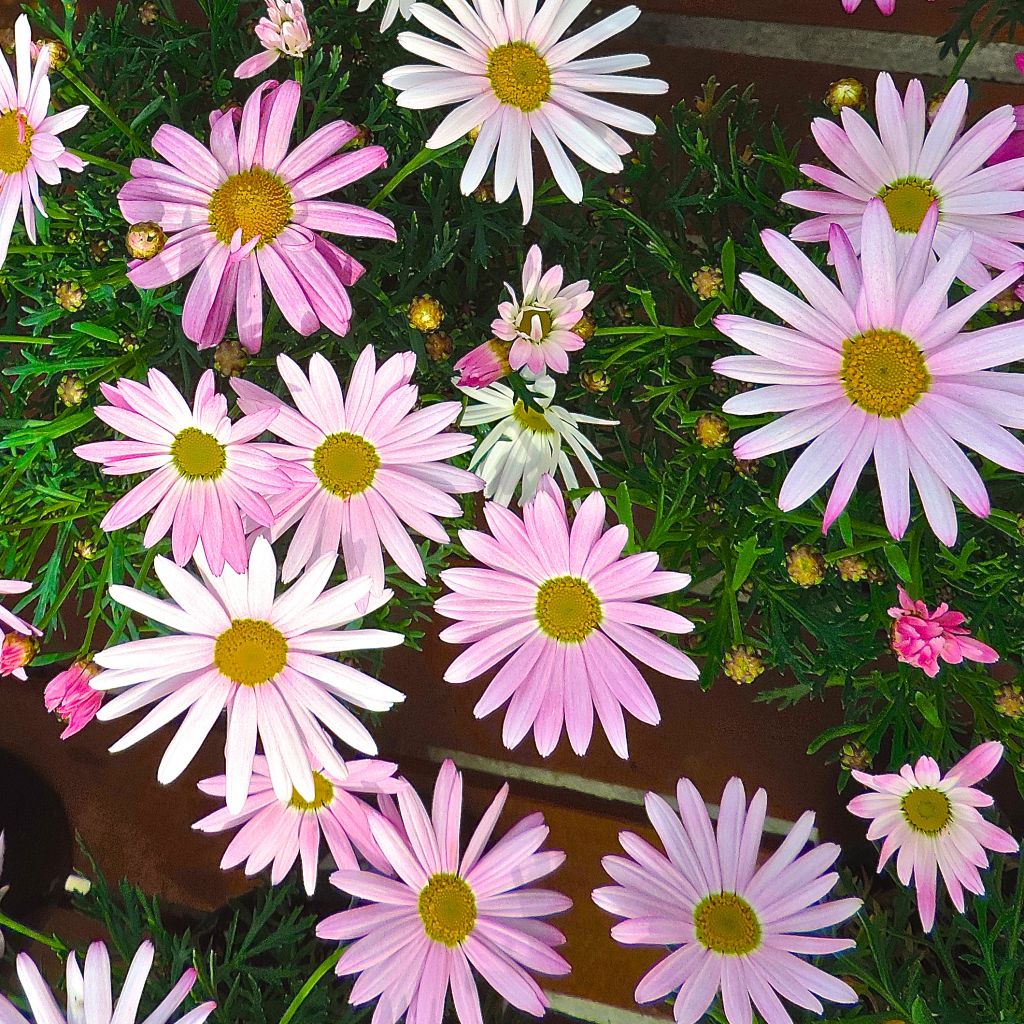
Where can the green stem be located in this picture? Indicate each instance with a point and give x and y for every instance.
(976, 37)
(423, 157)
(18, 339)
(311, 982)
(32, 250)
(101, 161)
(101, 105)
(30, 933)
(299, 114)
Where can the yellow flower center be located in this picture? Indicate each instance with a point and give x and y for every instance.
(726, 923)
(345, 464)
(447, 908)
(907, 201)
(529, 315)
(250, 652)
(927, 810)
(15, 142)
(198, 455)
(567, 609)
(531, 419)
(323, 794)
(520, 77)
(256, 201)
(883, 372)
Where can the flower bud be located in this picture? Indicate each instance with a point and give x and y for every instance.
(425, 313)
(69, 296)
(805, 565)
(742, 664)
(847, 92)
(485, 364)
(711, 430)
(145, 240)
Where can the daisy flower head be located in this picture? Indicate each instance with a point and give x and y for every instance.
(204, 474)
(366, 465)
(89, 996)
(930, 820)
(736, 928)
(910, 167)
(283, 31)
(274, 830)
(879, 367)
(568, 609)
(247, 211)
(526, 443)
(515, 78)
(539, 325)
(8, 618)
(29, 145)
(445, 915)
(265, 659)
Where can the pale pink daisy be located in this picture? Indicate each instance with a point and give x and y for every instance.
(203, 471)
(279, 831)
(921, 637)
(425, 930)
(89, 993)
(283, 31)
(879, 367)
(29, 145)
(263, 658)
(515, 78)
(539, 325)
(366, 465)
(246, 211)
(911, 169)
(737, 928)
(69, 696)
(7, 617)
(568, 609)
(930, 820)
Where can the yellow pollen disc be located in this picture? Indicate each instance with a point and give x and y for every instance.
(15, 142)
(726, 923)
(883, 372)
(531, 419)
(927, 810)
(520, 77)
(198, 455)
(256, 201)
(346, 464)
(250, 652)
(907, 201)
(447, 908)
(529, 315)
(567, 609)
(323, 794)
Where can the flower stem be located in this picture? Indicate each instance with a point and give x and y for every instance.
(100, 105)
(311, 983)
(47, 940)
(101, 161)
(423, 157)
(299, 113)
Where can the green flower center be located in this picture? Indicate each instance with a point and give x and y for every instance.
(927, 810)
(323, 794)
(250, 652)
(567, 609)
(345, 464)
(256, 201)
(531, 419)
(726, 923)
(15, 142)
(883, 372)
(520, 77)
(529, 315)
(907, 201)
(447, 908)
(198, 455)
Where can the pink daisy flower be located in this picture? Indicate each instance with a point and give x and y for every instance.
(885, 6)
(921, 637)
(8, 618)
(89, 995)
(930, 820)
(879, 367)
(263, 658)
(246, 211)
(423, 931)
(283, 31)
(910, 167)
(737, 928)
(365, 466)
(568, 609)
(29, 146)
(279, 830)
(16, 651)
(203, 472)
(539, 325)
(69, 696)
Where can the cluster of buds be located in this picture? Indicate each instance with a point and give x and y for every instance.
(711, 430)
(805, 565)
(439, 346)
(1009, 701)
(707, 282)
(855, 757)
(70, 296)
(71, 390)
(742, 664)
(230, 359)
(853, 568)
(425, 314)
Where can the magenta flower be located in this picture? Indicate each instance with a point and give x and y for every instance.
(365, 466)
(737, 928)
(203, 474)
(566, 607)
(283, 31)
(279, 831)
(8, 618)
(911, 167)
(69, 695)
(30, 149)
(879, 367)
(539, 325)
(484, 364)
(422, 931)
(921, 637)
(930, 820)
(246, 211)
(265, 659)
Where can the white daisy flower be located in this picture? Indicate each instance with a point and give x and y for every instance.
(514, 77)
(524, 444)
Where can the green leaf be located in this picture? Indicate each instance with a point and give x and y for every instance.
(729, 268)
(926, 705)
(624, 511)
(95, 330)
(704, 316)
(895, 557)
(835, 733)
(845, 529)
(919, 1012)
(746, 555)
